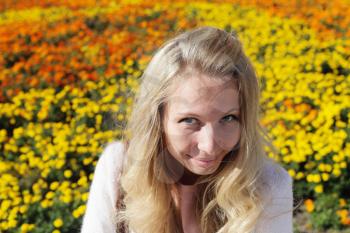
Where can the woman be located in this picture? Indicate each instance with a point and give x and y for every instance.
(194, 161)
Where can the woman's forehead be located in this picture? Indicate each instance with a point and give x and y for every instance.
(190, 73)
(199, 92)
(200, 86)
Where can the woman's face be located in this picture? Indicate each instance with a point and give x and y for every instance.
(201, 123)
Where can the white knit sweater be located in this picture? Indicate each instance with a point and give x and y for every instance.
(101, 209)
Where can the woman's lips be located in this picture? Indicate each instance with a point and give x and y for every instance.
(205, 160)
(202, 161)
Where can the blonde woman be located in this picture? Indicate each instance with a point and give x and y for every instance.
(194, 159)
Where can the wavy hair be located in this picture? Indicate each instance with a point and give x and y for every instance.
(230, 200)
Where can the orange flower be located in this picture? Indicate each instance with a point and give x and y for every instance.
(288, 103)
(309, 205)
(342, 202)
(344, 216)
(312, 115)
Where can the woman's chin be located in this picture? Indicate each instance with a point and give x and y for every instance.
(202, 171)
(201, 167)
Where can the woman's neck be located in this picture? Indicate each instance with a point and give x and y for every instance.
(187, 190)
(188, 178)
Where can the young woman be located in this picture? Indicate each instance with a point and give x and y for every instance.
(194, 159)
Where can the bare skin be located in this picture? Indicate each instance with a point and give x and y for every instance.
(187, 207)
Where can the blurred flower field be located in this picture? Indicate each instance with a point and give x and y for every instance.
(69, 71)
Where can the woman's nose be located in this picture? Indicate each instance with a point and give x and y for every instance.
(207, 141)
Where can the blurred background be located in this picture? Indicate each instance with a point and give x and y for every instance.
(69, 71)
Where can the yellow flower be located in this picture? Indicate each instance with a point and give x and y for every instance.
(12, 223)
(343, 164)
(325, 176)
(98, 119)
(60, 163)
(309, 178)
(291, 172)
(328, 167)
(319, 188)
(67, 173)
(79, 211)
(50, 195)
(120, 117)
(85, 196)
(54, 185)
(27, 227)
(317, 178)
(3, 135)
(66, 198)
(336, 172)
(58, 223)
(82, 181)
(23, 209)
(300, 175)
(44, 203)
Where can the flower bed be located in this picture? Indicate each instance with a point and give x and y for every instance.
(69, 72)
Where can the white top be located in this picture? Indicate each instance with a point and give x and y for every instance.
(101, 209)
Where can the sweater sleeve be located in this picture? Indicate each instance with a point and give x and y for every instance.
(100, 214)
(277, 216)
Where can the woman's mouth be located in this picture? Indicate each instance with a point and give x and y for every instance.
(202, 162)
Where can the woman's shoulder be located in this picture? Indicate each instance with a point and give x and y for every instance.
(276, 178)
(114, 146)
(277, 211)
(103, 192)
(113, 154)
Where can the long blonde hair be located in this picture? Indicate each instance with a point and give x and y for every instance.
(231, 198)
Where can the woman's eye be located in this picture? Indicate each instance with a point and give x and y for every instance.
(228, 118)
(231, 118)
(188, 120)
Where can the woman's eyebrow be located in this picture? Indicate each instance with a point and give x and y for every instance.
(235, 109)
